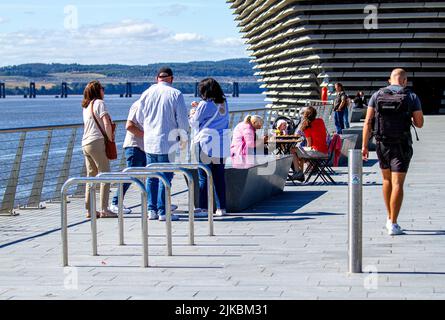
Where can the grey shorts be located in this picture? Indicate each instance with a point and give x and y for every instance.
(395, 157)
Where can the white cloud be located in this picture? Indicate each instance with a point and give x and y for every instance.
(128, 28)
(187, 37)
(124, 42)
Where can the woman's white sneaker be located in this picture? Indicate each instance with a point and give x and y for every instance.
(220, 213)
(395, 230)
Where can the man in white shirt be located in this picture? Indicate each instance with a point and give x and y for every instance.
(164, 116)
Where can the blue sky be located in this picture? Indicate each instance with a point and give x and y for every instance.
(127, 32)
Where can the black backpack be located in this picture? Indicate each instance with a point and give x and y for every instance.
(393, 119)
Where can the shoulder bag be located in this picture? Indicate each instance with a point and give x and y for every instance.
(110, 146)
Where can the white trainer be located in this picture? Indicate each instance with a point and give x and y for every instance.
(152, 215)
(395, 230)
(173, 216)
(115, 209)
(388, 224)
(220, 212)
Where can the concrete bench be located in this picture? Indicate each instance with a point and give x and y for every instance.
(248, 184)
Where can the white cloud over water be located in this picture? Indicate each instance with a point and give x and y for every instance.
(124, 42)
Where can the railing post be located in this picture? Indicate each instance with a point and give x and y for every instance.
(355, 211)
(11, 188)
(80, 190)
(37, 186)
(92, 191)
(121, 214)
(65, 172)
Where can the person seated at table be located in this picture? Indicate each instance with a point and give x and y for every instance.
(315, 132)
(282, 127)
(244, 141)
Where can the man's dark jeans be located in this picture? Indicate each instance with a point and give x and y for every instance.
(156, 189)
(135, 158)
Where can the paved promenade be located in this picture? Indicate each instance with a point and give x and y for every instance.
(293, 246)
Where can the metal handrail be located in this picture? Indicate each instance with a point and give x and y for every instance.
(191, 190)
(93, 182)
(168, 218)
(210, 185)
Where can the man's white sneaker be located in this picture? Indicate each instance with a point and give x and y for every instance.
(164, 217)
(395, 230)
(220, 213)
(115, 209)
(152, 215)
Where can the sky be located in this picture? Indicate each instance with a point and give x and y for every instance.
(132, 32)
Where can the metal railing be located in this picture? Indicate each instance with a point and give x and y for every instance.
(35, 162)
(93, 182)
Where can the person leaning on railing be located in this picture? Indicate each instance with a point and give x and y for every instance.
(93, 143)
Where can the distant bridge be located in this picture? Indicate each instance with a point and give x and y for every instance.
(32, 92)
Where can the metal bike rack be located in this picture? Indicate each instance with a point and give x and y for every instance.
(210, 184)
(145, 175)
(187, 175)
(93, 181)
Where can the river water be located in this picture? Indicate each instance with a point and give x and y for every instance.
(17, 112)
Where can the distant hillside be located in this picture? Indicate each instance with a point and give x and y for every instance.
(236, 68)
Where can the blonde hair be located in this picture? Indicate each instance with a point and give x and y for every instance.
(254, 119)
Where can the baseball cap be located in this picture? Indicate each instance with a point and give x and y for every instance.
(165, 72)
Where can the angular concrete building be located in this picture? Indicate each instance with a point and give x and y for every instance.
(297, 45)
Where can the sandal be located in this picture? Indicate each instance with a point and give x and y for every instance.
(108, 214)
(97, 215)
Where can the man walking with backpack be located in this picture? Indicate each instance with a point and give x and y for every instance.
(392, 111)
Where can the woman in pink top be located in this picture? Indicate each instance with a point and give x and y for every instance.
(244, 141)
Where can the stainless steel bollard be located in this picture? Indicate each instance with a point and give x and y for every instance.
(355, 211)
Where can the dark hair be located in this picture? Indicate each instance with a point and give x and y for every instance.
(310, 114)
(340, 85)
(209, 89)
(92, 92)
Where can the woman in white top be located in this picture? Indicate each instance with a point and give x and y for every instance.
(93, 143)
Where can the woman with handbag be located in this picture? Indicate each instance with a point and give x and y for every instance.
(98, 144)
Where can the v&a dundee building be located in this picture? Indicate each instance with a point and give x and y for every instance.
(298, 46)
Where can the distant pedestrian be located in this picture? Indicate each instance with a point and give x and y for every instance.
(134, 150)
(97, 124)
(393, 110)
(164, 116)
(360, 100)
(210, 121)
(340, 105)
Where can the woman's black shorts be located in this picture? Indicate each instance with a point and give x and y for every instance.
(396, 157)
